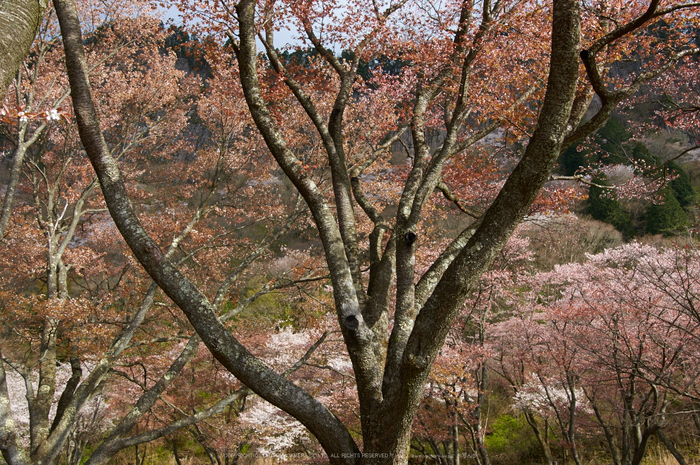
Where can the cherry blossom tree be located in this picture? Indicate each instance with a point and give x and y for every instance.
(542, 371)
(456, 54)
(609, 342)
(460, 383)
(678, 108)
(85, 328)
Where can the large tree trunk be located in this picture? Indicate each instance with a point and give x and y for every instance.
(437, 315)
(19, 22)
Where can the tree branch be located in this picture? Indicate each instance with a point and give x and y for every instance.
(227, 349)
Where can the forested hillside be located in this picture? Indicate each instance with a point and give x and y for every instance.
(613, 158)
(452, 233)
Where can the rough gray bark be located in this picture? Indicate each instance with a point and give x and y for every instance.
(19, 22)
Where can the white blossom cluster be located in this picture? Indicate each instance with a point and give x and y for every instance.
(293, 344)
(52, 115)
(275, 430)
(546, 399)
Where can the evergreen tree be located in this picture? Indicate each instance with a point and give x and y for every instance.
(666, 217)
(604, 207)
(608, 141)
(611, 139)
(641, 153)
(681, 185)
